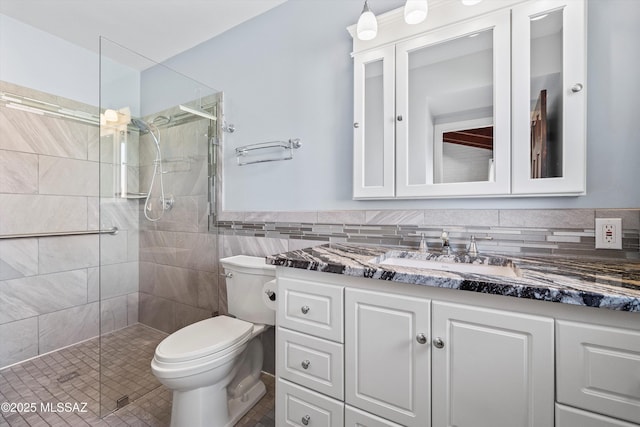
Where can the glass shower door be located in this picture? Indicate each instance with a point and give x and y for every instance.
(157, 140)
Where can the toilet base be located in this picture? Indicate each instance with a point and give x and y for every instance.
(239, 406)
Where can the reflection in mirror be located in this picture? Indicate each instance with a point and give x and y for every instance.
(451, 111)
(546, 95)
(374, 124)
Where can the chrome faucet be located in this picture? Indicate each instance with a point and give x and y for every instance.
(473, 247)
(423, 242)
(446, 248)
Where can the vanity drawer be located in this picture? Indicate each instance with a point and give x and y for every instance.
(598, 369)
(312, 362)
(312, 308)
(298, 406)
(354, 417)
(572, 417)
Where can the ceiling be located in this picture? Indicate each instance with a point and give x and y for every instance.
(156, 29)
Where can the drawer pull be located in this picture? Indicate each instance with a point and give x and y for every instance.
(305, 364)
(421, 338)
(305, 309)
(306, 419)
(438, 343)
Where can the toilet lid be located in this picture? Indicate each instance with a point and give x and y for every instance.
(202, 339)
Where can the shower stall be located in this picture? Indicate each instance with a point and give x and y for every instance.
(159, 139)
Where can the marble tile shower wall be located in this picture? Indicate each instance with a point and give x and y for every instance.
(549, 232)
(178, 259)
(49, 287)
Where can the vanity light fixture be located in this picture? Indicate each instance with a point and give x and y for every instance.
(470, 2)
(415, 11)
(367, 28)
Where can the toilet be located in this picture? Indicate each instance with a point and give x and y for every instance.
(213, 366)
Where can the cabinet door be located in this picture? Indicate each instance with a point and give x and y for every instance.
(492, 368)
(599, 369)
(386, 367)
(453, 129)
(549, 97)
(373, 133)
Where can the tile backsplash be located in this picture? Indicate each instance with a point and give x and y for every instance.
(547, 232)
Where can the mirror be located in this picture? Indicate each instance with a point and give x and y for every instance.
(451, 109)
(546, 95)
(373, 125)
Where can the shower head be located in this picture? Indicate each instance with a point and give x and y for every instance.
(141, 124)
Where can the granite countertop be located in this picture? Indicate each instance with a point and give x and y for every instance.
(607, 284)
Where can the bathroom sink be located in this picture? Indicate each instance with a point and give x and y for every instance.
(455, 263)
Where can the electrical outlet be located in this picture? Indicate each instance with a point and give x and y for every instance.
(608, 233)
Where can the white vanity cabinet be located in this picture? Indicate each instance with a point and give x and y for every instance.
(388, 354)
(488, 100)
(309, 353)
(491, 368)
(599, 370)
(360, 352)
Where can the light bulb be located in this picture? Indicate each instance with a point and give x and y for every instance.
(415, 11)
(367, 27)
(111, 115)
(470, 2)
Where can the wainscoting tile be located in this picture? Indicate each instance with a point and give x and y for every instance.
(133, 301)
(183, 216)
(68, 326)
(196, 251)
(31, 296)
(547, 218)
(158, 247)
(208, 295)
(341, 217)
(93, 284)
(283, 216)
(462, 217)
(18, 258)
(113, 314)
(118, 279)
(93, 213)
(176, 283)
(120, 213)
(68, 253)
(40, 214)
(114, 248)
(19, 341)
(187, 177)
(295, 244)
(630, 217)
(395, 217)
(159, 313)
(18, 172)
(68, 177)
(231, 216)
(32, 133)
(133, 245)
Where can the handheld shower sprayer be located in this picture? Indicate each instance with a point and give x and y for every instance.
(166, 204)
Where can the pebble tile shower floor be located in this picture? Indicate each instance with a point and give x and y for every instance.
(71, 376)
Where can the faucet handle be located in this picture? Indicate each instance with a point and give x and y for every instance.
(473, 247)
(423, 241)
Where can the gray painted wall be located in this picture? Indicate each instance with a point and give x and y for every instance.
(288, 73)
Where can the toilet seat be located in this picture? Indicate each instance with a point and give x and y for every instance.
(210, 338)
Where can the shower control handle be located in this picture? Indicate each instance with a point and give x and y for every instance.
(305, 309)
(306, 419)
(305, 364)
(227, 275)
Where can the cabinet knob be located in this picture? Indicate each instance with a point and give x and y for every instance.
(306, 419)
(421, 338)
(438, 343)
(305, 309)
(399, 118)
(305, 364)
(577, 87)
(356, 125)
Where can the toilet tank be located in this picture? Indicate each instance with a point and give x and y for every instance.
(245, 277)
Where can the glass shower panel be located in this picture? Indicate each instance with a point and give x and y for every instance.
(157, 147)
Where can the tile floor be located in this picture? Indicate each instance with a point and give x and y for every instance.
(38, 389)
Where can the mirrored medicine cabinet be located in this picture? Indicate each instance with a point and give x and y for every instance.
(486, 100)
